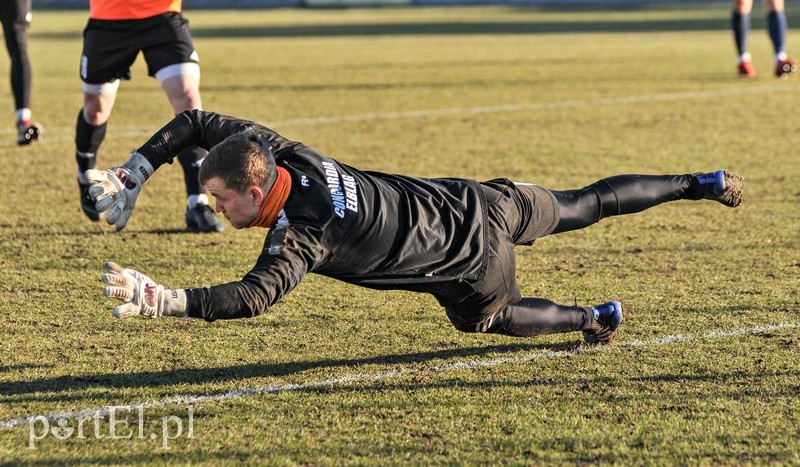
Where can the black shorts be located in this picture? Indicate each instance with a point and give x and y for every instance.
(111, 47)
(518, 215)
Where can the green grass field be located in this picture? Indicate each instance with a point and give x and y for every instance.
(705, 371)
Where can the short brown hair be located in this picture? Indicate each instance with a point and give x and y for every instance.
(242, 160)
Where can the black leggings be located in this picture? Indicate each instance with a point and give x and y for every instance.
(13, 15)
(613, 196)
(621, 194)
(536, 316)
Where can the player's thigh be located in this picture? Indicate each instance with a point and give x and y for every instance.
(742, 6)
(471, 305)
(169, 47)
(523, 210)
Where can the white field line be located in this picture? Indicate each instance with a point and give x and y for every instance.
(64, 134)
(535, 106)
(364, 377)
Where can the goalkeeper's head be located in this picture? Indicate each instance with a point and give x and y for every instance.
(242, 160)
(239, 172)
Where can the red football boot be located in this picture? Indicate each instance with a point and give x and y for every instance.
(746, 69)
(785, 67)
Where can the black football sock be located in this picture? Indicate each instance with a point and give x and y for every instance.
(776, 24)
(741, 30)
(190, 160)
(87, 143)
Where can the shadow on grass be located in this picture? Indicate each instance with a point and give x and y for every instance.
(152, 379)
(23, 366)
(588, 385)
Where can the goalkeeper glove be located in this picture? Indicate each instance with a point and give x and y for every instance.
(142, 296)
(115, 190)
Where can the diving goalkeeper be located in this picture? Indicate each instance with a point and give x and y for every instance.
(453, 238)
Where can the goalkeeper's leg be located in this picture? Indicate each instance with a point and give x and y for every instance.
(628, 194)
(536, 316)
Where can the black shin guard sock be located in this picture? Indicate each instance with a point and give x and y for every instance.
(535, 316)
(16, 43)
(621, 194)
(87, 142)
(190, 160)
(741, 30)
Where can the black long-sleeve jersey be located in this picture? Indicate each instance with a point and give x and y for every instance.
(366, 228)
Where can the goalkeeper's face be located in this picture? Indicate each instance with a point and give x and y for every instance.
(239, 208)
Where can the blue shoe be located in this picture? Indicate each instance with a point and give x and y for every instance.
(722, 186)
(607, 318)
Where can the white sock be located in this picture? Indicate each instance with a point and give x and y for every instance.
(745, 57)
(781, 56)
(194, 200)
(24, 114)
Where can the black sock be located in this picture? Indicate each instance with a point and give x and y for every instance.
(190, 160)
(87, 142)
(741, 30)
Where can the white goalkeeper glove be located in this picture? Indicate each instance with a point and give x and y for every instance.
(115, 190)
(141, 295)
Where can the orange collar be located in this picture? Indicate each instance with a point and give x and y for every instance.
(275, 200)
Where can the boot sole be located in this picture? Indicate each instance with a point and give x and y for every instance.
(734, 188)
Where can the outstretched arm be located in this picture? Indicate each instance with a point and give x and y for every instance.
(287, 257)
(140, 294)
(115, 190)
(204, 129)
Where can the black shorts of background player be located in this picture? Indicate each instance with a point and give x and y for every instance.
(15, 15)
(109, 49)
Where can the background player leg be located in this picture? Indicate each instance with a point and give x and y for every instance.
(90, 130)
(740, 23)
(15, 16)
(182, 89)
(776, 25)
